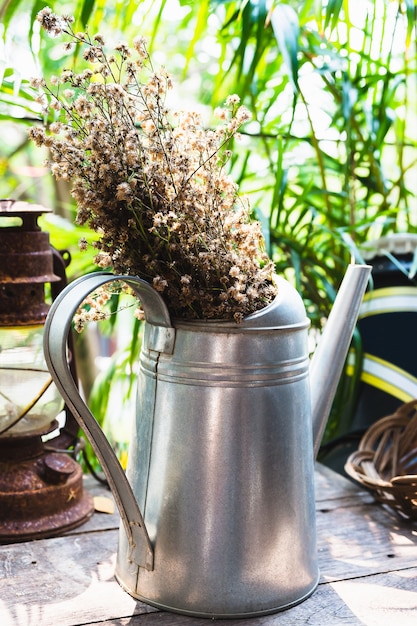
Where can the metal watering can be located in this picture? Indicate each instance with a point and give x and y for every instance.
(217, 503)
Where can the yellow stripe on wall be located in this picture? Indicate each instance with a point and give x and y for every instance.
(389, 378)
(389, 300)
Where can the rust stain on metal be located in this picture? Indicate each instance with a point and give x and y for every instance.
(26, 264)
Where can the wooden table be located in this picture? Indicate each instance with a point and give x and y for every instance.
(368, 563)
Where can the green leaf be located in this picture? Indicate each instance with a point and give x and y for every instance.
(201, 23)
(86, 11)
(410, 9)
(286, 28)
(7, 10)
(333, 9)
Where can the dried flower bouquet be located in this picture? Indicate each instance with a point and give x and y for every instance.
(153, 184)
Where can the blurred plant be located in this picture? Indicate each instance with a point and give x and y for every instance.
(112, 395)
(331, 86)
(333, 147)
(329, 156)
(354, 84)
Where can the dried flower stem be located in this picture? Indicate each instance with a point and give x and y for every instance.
(153, 184)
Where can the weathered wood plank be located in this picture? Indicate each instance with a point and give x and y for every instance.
(76, 572)
(68, 580)
(330, 485)
(363, 539)
(383, 600)
(99, 521)
(62, 582)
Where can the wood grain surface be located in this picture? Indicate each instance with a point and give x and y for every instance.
(367, 558)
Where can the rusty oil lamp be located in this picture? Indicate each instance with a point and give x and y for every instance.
(41, 489)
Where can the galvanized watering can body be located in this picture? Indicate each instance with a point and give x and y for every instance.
(218, 506)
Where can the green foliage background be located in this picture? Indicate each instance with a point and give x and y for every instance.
(330, 157)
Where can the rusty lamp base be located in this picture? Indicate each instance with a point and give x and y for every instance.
(41, 492)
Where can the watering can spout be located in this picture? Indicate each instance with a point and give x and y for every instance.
(329, 357)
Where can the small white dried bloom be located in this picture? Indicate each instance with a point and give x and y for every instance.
(99, 39)
(103, 260)
(139, 313)
(221, 113)
(140, 45)
(234, 271)
(37, 83)
(56, 105)
(243, 115)
(124, 192)
(50, 22)
(232, 100)
(159, 283)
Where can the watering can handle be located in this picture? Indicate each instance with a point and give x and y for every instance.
(57, 327)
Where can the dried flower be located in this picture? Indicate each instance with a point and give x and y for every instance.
(153, 185)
